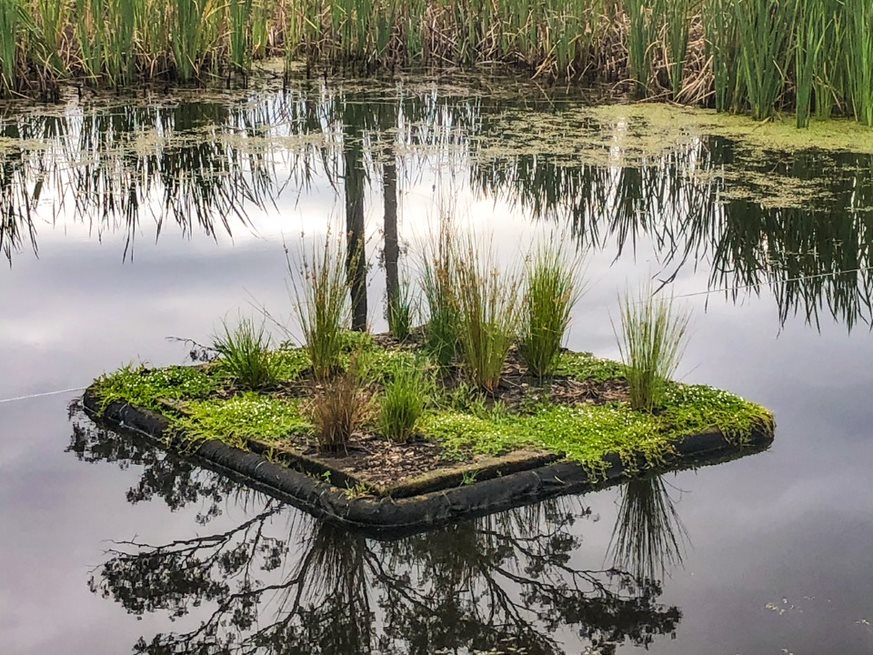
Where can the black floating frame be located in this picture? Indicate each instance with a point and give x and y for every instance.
(391, 517)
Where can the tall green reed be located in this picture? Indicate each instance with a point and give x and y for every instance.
(722, 39)
(765, 28)
(437, 286)
(10, 22)
(641, 36)
(809, 41)
(859, 58)
(118, 55)
(91, 35)
(49, 20)
(677, 21)
(193, 25)
(239, 34)
(829, 69)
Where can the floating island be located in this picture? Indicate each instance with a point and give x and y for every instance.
(469, 453)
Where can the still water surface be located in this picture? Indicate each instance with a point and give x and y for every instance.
(126, 223)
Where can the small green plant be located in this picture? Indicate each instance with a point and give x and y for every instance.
(403, 402)
(359, 490)
(441, 331)
(400, 312)
(652, 341)
(551, 292)
(322, 304)
(244, 351)
(488, 314)
(339, 409)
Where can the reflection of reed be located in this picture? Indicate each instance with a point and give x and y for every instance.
(204, 165)
(814, 258)
(648, 537)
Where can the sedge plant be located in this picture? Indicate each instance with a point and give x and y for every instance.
(488, 313)
(651, 341)
(321, 293)
(339, 408)
(401, 307)
(437, 279)
(403, 402)
(552, 289)
(244, 349)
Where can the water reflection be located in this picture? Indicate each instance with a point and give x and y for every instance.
(648, 538)
(280, 581)
(798, 224)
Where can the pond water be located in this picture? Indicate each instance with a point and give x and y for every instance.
(126, 221)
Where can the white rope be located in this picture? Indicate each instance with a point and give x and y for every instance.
(3, 401)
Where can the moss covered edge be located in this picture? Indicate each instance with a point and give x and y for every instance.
(484, 438)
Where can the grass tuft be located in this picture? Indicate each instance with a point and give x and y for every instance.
(400, 312)
(322, 304)
(552, 290)
(652, 341)
(244, 351)
(487, 312)
(441, 331)
(404, 401)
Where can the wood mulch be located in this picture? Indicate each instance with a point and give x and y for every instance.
(381, 462)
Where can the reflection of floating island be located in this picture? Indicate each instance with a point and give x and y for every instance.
(470, 457)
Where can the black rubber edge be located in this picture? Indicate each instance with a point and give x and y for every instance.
(393, 517)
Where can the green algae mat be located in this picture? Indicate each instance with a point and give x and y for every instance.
(572, 430)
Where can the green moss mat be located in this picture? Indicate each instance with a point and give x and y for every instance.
(206, 408)
(586, 433)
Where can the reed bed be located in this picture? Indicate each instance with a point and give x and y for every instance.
(762, 57)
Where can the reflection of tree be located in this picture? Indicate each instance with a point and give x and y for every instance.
(648, 536)
(355, 180)
(282, 582)
(485, 585)
(176, 481)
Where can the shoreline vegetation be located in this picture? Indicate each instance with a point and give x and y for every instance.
(485, 376)
(759, 57)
